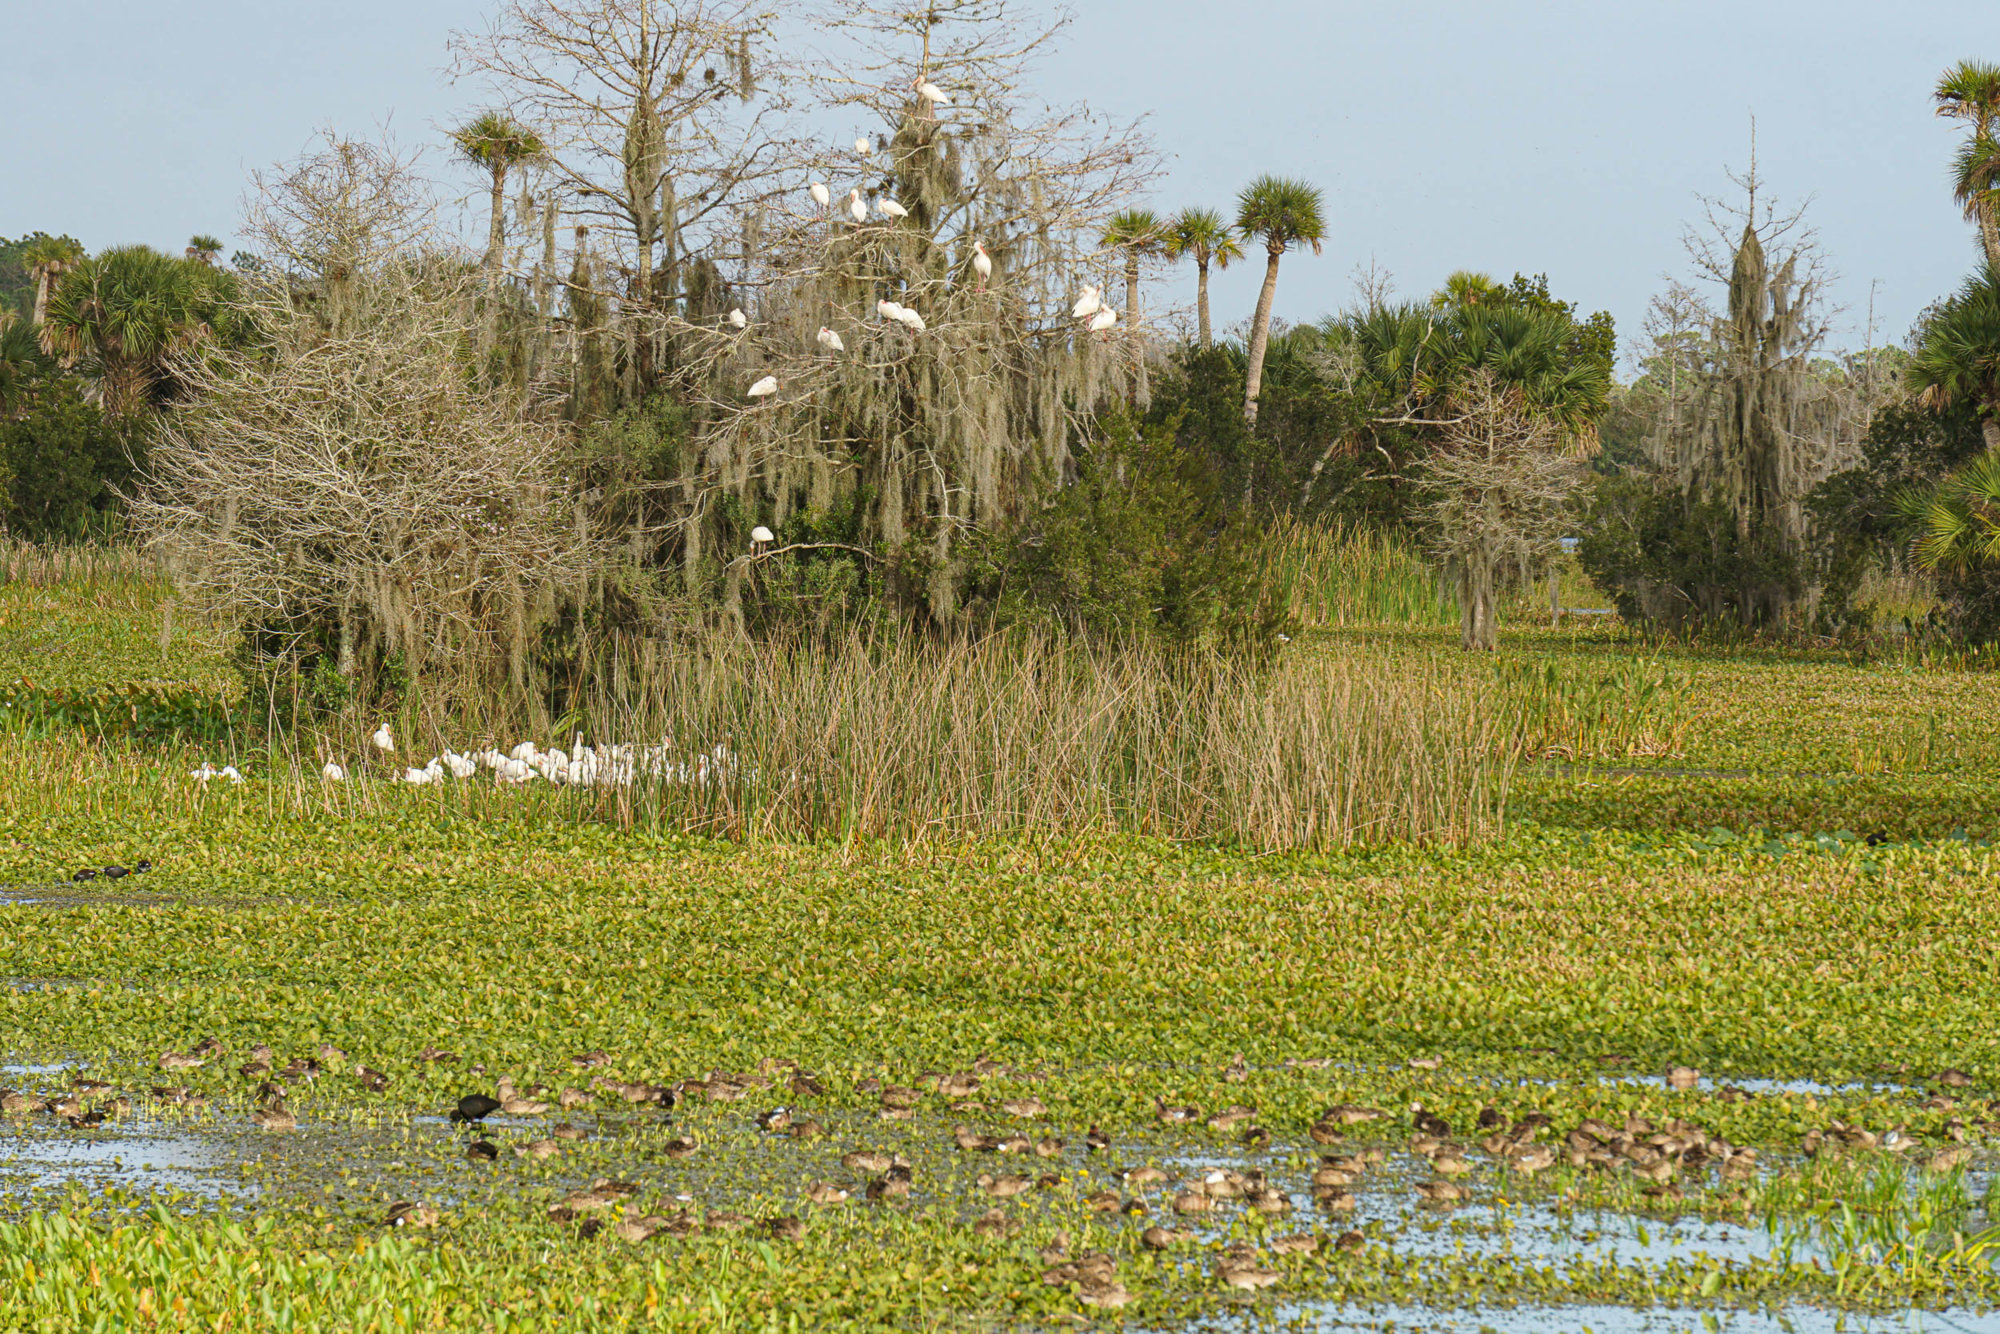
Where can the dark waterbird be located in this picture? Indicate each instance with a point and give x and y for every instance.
(474, 1107)
(85, 874)
(115, 873)
(482, 1151)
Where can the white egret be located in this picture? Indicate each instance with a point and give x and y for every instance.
(830, 340)
(382, 738)
(982, 264)
(333, 773)
(821, 195)
(738, 320)
(891, 209)
(930, 92)
(1086, 305)
(856, 209)
(1103, 320)
(760, 535)
(765, 387)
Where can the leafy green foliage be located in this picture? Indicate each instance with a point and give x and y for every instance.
(66, 460)
(1665, 556)
(1860, 524)
(1142, 545)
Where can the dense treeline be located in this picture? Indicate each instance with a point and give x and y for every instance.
(713, 405)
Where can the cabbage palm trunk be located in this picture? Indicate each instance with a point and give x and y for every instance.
(1282, 213)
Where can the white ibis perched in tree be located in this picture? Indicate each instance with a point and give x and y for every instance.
(861, 147)
(982, 264)
(738, 320)
(1103, 320)
(821, 195)
(889, 310)
(1087, 305)
(830, 340)
(765, 387)
(761, 535)
(910, 320)
(856, 209)
(891, 209)
(931, 93)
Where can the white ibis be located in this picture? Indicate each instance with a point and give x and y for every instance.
(930, 92)
(889, 310)
(891, 209)
(861, 147)
(910, 320)
(760, 535)
(830, 340)
(383, 739)
(1103, 320)
(333, 773)
(856, 209)
(821, 195)
(765, 387)
(1086, 305)
(982, 264)
(738, 320)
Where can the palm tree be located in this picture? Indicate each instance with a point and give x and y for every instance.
(1970, 91)
(1284, 213)
(122, 316)
(48, 259)
(1202, 233)
(21, 361)
(1466, 288)
(499, 143)
(1957, 360)
(1957, 525)
(1138, 232)
(203, 249)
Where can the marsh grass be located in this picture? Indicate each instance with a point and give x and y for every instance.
(1342, 577)
(1007, 736)
(1879, 1222)
(87, 566)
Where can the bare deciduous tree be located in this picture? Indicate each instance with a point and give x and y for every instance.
(954, 404)
(660, 118)
(1497, 491)
(344, 489)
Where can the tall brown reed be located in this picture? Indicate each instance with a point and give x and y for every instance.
(1022, 736)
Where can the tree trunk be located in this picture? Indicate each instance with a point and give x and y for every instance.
(1137, 392)
(1201, 302)
(496, 246)
(1475, 606)
(1990, 428)
(1260, 338)
(41, 297)
(1989, 233)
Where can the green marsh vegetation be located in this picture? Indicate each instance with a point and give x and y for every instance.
(1113, 833)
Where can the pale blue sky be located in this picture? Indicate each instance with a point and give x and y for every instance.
(1564, 137)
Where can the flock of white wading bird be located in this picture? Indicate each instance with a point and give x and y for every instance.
(580, 766)
(1089, 310)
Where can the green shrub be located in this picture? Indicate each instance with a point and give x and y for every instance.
(65, 461)
(1143, 544)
